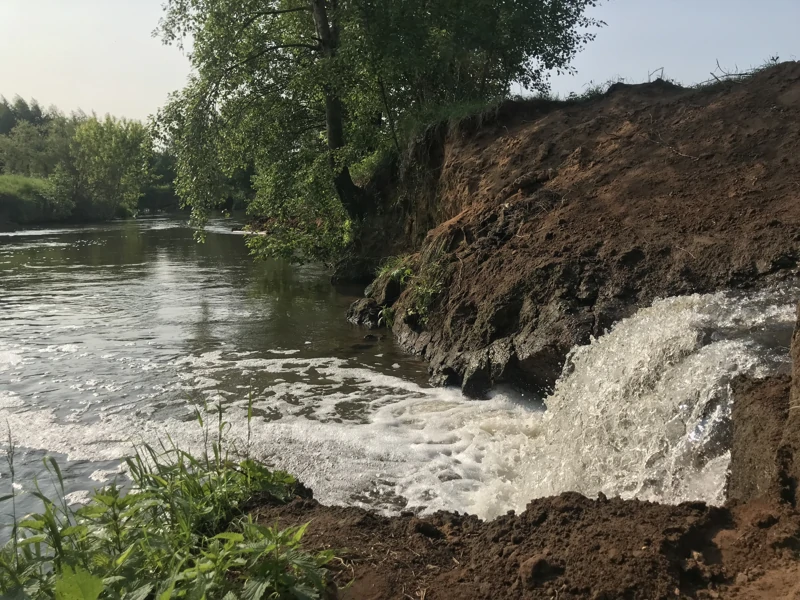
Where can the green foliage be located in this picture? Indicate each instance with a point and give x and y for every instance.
(96, 168)
(426, 287)
(397, 268)
(386, 316)
(312, 94)
(451, 114)
(107, 167)
(26, 200)
(20, 111)
(179, 532)
(365, 169)
(424, 284)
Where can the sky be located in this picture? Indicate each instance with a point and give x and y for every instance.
(99, 55)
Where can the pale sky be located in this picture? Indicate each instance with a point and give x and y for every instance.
(99, 55)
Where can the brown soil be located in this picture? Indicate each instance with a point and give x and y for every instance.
(547, 222)
(567, 547)
(572, 547)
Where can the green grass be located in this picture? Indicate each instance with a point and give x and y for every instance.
(451, 114)
(25, 200)
(181, 531)
(26, 187)
(425, 290)
(397, 268)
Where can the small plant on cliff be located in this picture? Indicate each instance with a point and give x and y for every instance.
(386, 317)
(396, 268)
(426, 288)
(180, 532)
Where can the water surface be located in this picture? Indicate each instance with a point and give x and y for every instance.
(118, 334)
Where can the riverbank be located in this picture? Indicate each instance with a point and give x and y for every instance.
(525, 231)
(573, 547)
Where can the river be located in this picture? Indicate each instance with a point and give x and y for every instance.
(117, 334)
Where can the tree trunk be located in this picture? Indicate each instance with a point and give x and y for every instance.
(350, 194)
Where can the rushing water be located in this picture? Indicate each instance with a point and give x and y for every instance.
(116, 334)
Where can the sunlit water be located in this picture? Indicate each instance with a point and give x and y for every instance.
(115, 335)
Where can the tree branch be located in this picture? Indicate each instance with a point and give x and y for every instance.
(272, 13)
(264, 51)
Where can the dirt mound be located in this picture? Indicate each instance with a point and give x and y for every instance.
(567, 547)
(548, 222)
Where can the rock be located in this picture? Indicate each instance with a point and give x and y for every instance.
(364, 312)
(386, 291)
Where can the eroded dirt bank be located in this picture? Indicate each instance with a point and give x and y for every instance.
(572, 547)
(533, 228)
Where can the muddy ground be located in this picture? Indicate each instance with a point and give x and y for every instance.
(568, 547)
(573, 547)
(533, 227)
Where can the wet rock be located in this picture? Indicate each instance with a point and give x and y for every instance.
(364, 312)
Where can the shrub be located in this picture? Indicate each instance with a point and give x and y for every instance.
(25, 200)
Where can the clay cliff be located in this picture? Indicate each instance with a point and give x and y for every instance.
(525, 230)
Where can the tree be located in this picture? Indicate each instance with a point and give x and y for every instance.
(35, 150)
(7, 118)
(108, 167)
(305, 89)
(56, 167)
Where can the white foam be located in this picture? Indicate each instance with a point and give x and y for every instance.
(78, 497)
(9, 358)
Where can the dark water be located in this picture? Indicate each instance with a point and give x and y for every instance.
(132, 318)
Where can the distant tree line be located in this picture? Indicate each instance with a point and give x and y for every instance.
(78, 167)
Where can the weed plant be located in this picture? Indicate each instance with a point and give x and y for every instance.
(181, 530)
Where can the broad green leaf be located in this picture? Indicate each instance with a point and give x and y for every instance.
(35, 525)
(36, 539)
(254, 589)
(77, 585)
(124, 556)
(167, 594)
(229, 535)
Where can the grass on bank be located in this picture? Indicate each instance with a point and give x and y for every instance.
(26, 200)
(182, 531)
